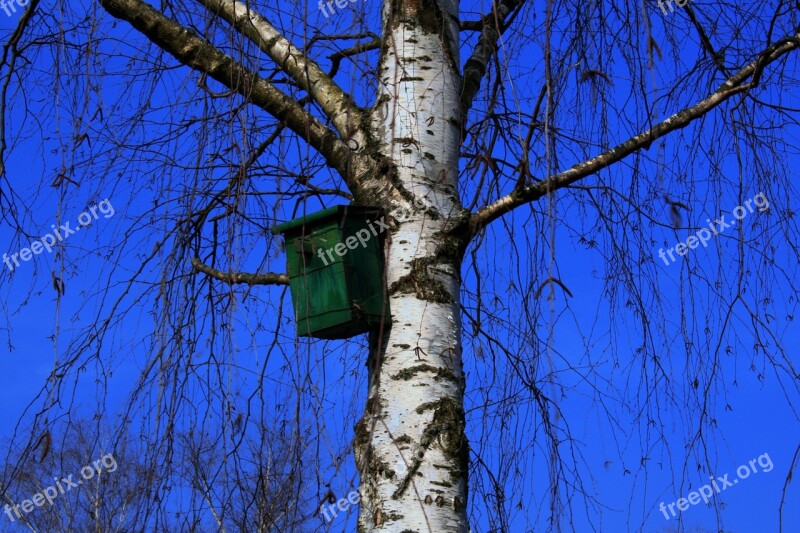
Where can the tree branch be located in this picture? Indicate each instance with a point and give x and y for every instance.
(345, 115)
(732, 86)
(336, 57)
(232, 278)
(716, 57)
(197, 53)
(493, 25)
(9, 57)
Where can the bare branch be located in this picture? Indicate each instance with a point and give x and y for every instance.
(493, 26)
(232, 278)
(197, 53)
(786, 486)
(470, 25)
(9, 58)
(549, 282)
(360, 48)
(706, 42)
(345, 115)
(732, 86)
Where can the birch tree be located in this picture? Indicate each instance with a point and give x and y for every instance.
(482, 129)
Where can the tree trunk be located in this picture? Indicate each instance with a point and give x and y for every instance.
(410, 446)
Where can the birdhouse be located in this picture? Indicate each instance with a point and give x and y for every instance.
(335, 264)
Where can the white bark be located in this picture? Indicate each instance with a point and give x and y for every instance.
(410, 445)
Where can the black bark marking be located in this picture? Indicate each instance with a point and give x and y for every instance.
(446, 430)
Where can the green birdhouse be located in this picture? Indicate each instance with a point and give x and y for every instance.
(335, 262)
